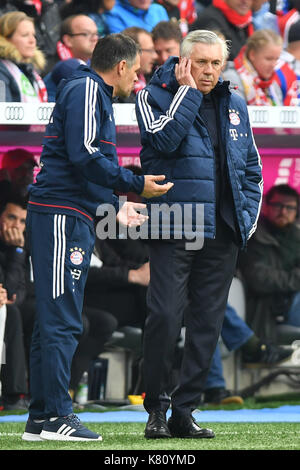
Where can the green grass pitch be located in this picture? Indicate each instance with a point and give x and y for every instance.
(129, 437)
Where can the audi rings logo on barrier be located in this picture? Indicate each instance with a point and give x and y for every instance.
(14, 113)
(259, 116)
(43, 113)
(288, 116)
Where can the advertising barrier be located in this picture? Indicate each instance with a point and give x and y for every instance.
(276, 132)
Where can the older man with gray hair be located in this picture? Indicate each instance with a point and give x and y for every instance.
(196, 132)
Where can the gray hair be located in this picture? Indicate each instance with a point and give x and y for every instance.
(204, 36)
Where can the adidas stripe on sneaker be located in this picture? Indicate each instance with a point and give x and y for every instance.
(67, 428)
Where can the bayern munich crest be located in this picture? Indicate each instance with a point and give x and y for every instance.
(76, 256)
(234, 117)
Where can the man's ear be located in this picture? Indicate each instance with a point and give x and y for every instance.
(66, 40)
(121, 67)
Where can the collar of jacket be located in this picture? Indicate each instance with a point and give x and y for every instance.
(84, 70)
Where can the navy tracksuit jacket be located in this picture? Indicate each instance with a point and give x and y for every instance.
(79, 171)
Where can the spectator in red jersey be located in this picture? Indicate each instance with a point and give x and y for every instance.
(253, 72)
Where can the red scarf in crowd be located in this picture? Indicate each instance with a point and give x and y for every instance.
(241, 21)
(37, 3)
(63, 51)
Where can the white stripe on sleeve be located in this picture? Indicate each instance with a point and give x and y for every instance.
(90, 124)
(155, 125)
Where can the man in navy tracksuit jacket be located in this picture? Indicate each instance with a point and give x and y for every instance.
(79, 171)
(196, 132)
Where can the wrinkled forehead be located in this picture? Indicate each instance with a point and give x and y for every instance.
(206, 51)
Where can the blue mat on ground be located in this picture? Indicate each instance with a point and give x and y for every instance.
(286, 414)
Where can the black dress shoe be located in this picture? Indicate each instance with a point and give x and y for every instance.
(156, 427)
(186, 427)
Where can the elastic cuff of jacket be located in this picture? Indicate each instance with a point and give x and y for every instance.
(139, 183)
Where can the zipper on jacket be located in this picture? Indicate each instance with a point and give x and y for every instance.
(214, 165)
(230, 168)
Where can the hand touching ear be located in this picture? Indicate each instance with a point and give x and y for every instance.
(183, 72)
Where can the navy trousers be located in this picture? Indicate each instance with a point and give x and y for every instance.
(201, 278)
(61, 247)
